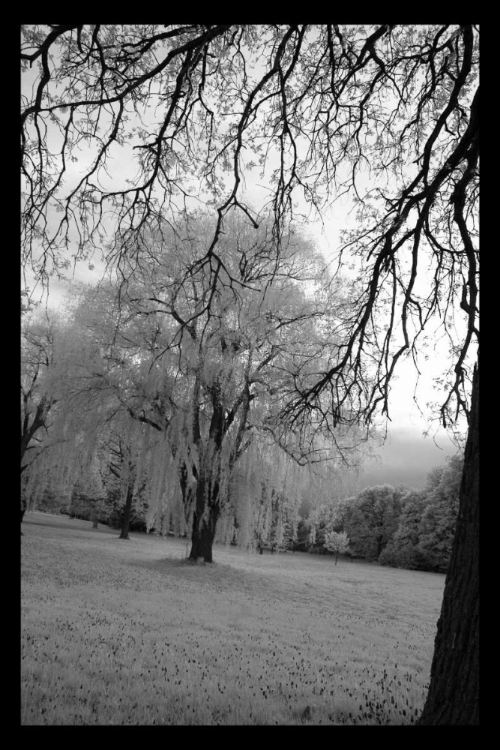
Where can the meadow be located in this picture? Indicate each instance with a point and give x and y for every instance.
(118, 632)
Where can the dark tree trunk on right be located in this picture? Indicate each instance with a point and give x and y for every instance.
(453, 697)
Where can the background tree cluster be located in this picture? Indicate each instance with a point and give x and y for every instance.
(401, 526)
(426, 527)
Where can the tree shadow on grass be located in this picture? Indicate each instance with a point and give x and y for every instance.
(180, 565)
(219, 576)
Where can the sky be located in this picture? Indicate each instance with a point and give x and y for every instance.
(406, 458)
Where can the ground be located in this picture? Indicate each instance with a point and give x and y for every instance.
(124, 634)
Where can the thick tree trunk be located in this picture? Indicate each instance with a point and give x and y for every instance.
(453, 697)
(203, 535)
(127, 509)
(204, 523)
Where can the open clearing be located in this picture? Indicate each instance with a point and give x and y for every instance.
(117, 632)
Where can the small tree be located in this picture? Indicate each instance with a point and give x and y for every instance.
(337, 542)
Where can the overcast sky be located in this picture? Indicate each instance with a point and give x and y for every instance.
(406, 458)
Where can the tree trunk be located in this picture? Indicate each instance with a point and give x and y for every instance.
(204, 522)
(453, 697)
(126, 514)
(202, 538)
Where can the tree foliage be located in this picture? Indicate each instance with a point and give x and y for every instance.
(424, 537)
(402, 549)
(337, 542)
(439, 519)
(371, 519)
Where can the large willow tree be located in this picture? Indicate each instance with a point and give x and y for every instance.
(386, 115)
(211, 371)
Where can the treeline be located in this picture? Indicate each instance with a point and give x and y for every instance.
(402, 527)
(397, 526)
(275, 522)
(107, 509)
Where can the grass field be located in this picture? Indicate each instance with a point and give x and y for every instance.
(117, 632)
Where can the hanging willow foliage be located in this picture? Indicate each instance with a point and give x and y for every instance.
(192, 392)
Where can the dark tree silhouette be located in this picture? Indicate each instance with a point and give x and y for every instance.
(385, 115)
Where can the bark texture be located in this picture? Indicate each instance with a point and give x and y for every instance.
(204, 523)
(453, 697)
